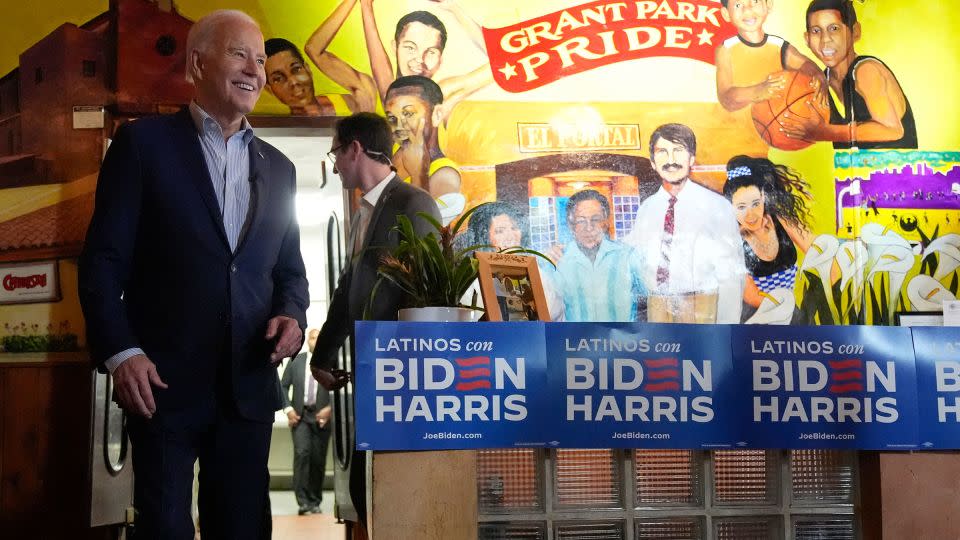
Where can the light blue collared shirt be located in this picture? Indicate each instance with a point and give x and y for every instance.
(605, 289)
(228, 162)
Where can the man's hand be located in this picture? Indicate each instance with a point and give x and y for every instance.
(131, 383)
(808, 128)
(323, 416)
(293, 418)
(286, 335)
(554, 253)
(331, 380)
(773, 85)
(820, 88)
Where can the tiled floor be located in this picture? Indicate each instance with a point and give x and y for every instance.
(287, 525)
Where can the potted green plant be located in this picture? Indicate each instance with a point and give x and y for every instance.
(433, 273)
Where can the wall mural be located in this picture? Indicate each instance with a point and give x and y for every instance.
(680, 160)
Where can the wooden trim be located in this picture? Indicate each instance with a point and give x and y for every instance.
(43, 358)
(274, 121)
(871, 505)
(70, 251)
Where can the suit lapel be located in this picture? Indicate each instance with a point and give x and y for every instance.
(378, 211)
(189, 145)
(259, 194)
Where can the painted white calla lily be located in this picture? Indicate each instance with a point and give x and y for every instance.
(948, 249)
(852, 258)
(821, 253)
(775, 308)
(820, 257)
(879, 240)
(896, 261)
(875, 234)
(927, 294)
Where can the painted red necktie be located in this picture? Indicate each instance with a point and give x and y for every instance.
(663, 271)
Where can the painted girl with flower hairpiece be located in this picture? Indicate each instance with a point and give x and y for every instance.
(770, 202)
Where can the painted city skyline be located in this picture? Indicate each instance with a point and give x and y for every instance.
(913, 186)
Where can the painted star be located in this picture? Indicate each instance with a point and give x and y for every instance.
(508, 70)
(705, 37)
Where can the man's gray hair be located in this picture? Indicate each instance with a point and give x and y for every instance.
(203, 31)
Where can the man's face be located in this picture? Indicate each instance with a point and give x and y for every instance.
(748, 15)
(829, 38)
(418, 50)
(672, 161)
(589, 224)
(408, 115)
(231, 70)
(342, 165)
(289, 79)
(312, 339)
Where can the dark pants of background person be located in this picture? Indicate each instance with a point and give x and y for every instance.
(504, 310)
(234, 479)
(309, 458)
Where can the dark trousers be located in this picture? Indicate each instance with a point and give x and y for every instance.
(358, 484)
(309, 458)
(234, 479)
(504, 310)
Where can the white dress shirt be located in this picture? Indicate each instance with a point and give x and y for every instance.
(706, 253)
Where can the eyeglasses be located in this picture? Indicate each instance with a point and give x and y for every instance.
(596, 221)
(332, 154)
(379, 156)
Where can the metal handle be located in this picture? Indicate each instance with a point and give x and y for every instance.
(343, 397)
(113, 468)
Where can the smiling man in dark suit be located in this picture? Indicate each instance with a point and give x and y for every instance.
(361, 149)
(193, 288)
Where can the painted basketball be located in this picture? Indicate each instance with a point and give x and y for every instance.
(768, 115)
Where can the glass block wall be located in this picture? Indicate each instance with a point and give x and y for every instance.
(668, 494)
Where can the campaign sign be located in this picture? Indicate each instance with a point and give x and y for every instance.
(425, 386)
(623, 385)
(827, 386)
(938, 385)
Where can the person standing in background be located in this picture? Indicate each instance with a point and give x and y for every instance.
(193, 290)
(308, 415)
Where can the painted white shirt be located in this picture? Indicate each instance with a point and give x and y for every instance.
(706, 253)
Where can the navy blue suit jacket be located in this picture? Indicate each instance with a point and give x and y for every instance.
(197, 310)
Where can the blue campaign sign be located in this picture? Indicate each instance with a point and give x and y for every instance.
(827, 386)
(623, 385)
(938, 385)
(424, 386)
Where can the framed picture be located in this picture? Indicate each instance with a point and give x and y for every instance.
(511, 287)
(32, 282)
(919, 318)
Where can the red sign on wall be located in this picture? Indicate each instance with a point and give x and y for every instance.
(536, 52)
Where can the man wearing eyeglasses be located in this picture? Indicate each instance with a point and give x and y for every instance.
(360, 153)
(598, 279)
